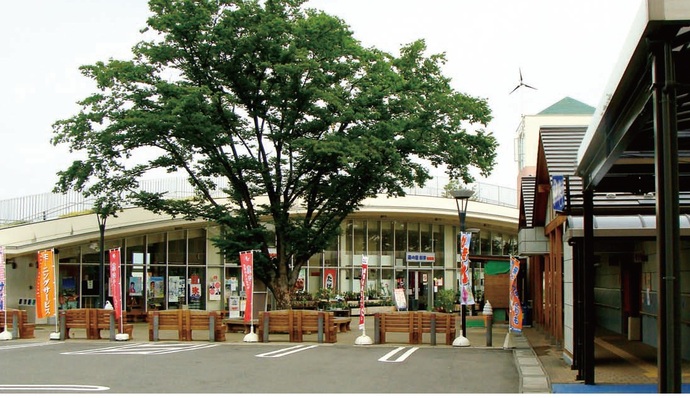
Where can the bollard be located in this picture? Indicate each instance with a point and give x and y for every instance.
(488, 322)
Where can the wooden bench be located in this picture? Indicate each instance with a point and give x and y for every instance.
(396, 322)
(320, 322)
(18, 321)
(279, 321)
(342, 323)
(77, 318)
(202, 320)
(102, 321)
(166, 320)
(433, 323)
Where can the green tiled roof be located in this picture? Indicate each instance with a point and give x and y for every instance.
(568, 106)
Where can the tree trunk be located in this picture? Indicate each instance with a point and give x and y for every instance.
(281, 293)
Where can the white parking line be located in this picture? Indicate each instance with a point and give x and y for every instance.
(285, 351)
(29, 345)
(143, 349)
(401, 357)
(51, 387)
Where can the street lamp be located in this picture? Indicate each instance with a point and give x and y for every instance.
(462, 197)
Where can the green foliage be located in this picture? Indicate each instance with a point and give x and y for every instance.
(444, 301)
(285, 104)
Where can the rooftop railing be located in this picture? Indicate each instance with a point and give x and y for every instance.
(48, 206)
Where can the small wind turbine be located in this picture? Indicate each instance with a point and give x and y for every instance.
(521, 84)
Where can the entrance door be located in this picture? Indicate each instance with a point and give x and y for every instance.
(419, 294)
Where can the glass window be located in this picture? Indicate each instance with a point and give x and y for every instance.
(386, 239)
(485, 243)
(156, 248)
(69, 255)
(155, 287)
(197, 246)
(177, 287)
(474, 243)
(330, 256)
(373, 238)
(67, 286)
(426, 243)
(413, 237)
(135, 250)
(90, 285)
(496, 244)
(400, 243)
(195, 289)
(437, 244)
(177, 247)
(359, 238)
(510, 245)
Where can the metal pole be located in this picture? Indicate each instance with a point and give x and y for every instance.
(463, 315)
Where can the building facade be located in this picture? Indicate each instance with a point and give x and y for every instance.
(410, 243)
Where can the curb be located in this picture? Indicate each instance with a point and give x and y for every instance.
(533, 378)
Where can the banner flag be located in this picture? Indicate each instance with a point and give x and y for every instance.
(329, 278)
(247, 263)
(45, 284)
(515, 307)
(363, 290)
(2, 280)
(466, 296)
(115, 281)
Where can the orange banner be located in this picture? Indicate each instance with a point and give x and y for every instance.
(45, 284)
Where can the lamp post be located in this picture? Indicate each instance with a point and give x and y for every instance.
(462, 197)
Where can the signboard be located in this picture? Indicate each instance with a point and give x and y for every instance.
(400, 300)
(558, 192)
(421, 257)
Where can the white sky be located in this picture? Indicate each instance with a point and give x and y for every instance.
(563, 47)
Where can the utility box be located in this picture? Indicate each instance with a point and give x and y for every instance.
(634, 328)
(29, 305)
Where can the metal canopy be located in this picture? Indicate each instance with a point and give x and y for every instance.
(617, 153)
(639, 142)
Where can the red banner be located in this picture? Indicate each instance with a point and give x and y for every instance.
(247, 263)
(115, 281)
(45, 285)
(515, 307)
(362, 291)
(329, 278)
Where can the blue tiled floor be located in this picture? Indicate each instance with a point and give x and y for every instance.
(576, 388)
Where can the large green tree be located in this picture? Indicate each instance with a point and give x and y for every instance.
(302, 120)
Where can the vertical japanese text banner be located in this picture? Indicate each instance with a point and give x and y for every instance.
(363, 290)
(515, 308)
(466, 296)
(115, 284)
(45, 284)
(3, 295)
(247, 263)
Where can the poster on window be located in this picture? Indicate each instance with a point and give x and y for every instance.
(135, 285)
(234, 307)
(329, 278)
(175, 288)
(214, 289)
(156, 289)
